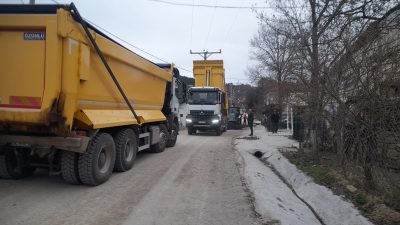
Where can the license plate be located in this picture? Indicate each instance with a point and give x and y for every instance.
(202, 122)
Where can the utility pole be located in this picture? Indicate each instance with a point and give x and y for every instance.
(205, 54)
(287, 117)
(231, 94)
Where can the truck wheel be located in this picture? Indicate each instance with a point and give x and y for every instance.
(69, 167)
(96, 165)
(126, 148)
(218, 131)
(160, 146)
(173, 136)
(191, 131)
(11, 168)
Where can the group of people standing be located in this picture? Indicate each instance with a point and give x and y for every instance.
(274, 118)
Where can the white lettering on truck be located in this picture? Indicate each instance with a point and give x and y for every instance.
(30, 36)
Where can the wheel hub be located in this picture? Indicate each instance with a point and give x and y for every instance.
(128, 151)
(163, 138)
(173, 134)
(104, 160)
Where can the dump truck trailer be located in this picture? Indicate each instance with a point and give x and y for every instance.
(75, 101)
(207, 101)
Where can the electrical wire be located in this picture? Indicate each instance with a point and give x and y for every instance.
(54, 1)
(115, 36)
(210, 26)
(211, 6)
(133, 46)
(191, 26)
(126, 42)
(233, 23)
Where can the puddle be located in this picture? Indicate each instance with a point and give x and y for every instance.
(252, 138)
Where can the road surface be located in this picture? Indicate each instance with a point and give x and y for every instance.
(195, 182)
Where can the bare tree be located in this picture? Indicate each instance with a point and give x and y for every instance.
(345, 55)
(272, 49)
(320, 33)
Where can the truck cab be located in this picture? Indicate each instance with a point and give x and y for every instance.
(234, 118)
(206, 110)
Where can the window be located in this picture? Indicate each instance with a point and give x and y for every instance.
(203, 98)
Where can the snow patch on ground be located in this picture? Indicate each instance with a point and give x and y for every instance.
(274, 201)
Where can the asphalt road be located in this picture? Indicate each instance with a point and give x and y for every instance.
(195, 182)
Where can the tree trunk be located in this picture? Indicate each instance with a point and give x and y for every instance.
(315, 89)
(339, 133)
(367, 166)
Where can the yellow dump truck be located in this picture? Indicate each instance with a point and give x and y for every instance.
(207, 100)
(74, 100)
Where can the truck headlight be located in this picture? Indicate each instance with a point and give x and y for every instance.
(214, 121)
(188, 120)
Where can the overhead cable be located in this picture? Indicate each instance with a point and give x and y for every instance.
(126, 42)
(211, 6)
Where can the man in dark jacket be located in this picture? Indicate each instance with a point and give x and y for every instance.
(250, 120)
(275, 121)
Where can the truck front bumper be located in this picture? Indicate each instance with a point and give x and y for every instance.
(74, 144)
(205, 126)
(203, 122)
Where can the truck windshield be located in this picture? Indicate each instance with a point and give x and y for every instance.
(203, 98)
(233, 111)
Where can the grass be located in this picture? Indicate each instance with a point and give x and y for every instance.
(318, 172)
(327, 175)
(358, 199)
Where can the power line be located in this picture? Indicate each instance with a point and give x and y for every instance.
(205, 54)
(211, 6)
(233, 22)
(210, 26)
(126, 42)
(191, 26)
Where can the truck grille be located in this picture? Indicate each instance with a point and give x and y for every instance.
(201, 112)
(202, 117)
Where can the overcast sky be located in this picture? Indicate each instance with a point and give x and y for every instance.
(169, 31)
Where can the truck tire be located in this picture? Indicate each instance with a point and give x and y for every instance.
(190, 131)
(160, 146)
(173, 135)
(69, 167)
(126, 148)
(10, 168)
(96, 165)
(219, 131)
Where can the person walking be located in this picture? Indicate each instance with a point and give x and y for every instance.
(245, 118)
(275, 121)
(250, 120)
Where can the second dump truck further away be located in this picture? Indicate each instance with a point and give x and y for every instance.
(234, 118)
(61, 105)
(207, 101)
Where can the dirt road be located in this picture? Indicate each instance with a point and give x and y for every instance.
(195, 182)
